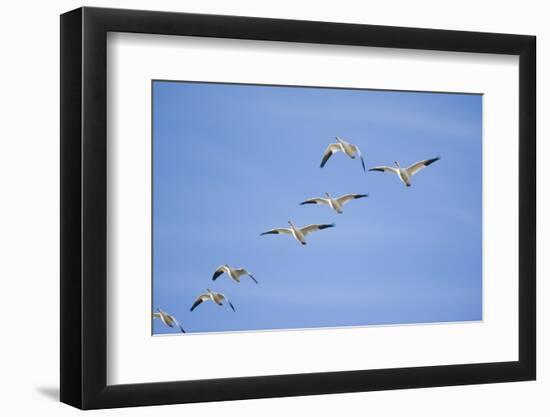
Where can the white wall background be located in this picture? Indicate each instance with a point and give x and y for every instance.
(29, 213)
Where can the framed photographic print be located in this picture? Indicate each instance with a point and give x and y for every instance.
(258, 207)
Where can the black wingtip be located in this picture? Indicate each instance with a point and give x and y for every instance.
(325, 159)
(269, 232)
(431, 161)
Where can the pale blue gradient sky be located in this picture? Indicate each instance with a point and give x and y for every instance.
(231, 161)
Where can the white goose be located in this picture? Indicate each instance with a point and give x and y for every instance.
(349, 149)
(167, 319)
(235, 273)
(334, 203)
(405, 174)
(216, 297)
(299, 233)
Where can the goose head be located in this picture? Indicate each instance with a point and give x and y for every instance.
(328, 195)
(397, 164)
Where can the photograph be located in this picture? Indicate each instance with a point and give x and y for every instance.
(300, 207)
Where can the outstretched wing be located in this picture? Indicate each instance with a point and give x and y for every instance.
(218, 272)
(314, 227)
(347, 197)
(199, 300)
(384, 169)
(176, 323)
(221, 297)
(314, 201)
(169, 320)
(277, 232)
(358, 152)
(241, 271)
(414, 168)
(332, 148)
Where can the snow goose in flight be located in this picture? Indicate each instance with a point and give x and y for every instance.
(340, 145)
(405, 174)
(167, 319)
(299, 233)
(235, 273)
(334, 203)
(216, 297)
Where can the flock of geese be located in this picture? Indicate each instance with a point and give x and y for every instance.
(300, 233)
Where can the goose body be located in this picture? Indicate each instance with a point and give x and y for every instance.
(299, 233)
(405, 174)
(334, 203)
(347, 148)
(235, 273)
(167, 319)
(209, 295)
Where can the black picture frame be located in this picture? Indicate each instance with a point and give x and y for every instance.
(84, 207)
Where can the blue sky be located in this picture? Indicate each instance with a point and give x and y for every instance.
(231, 161)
